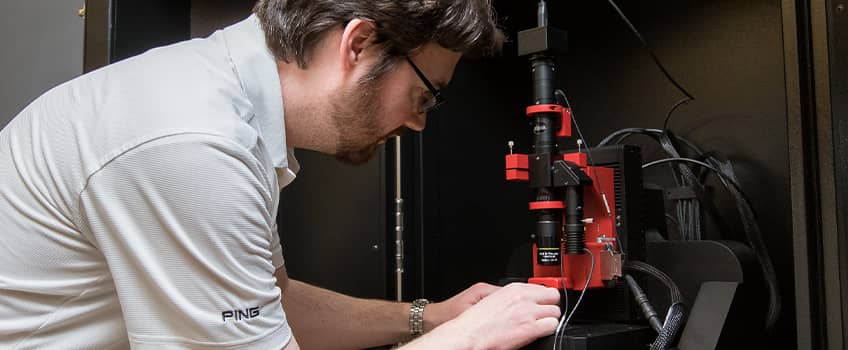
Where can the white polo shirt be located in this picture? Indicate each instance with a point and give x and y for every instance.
(138, 204)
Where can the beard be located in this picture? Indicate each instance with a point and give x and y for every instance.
(354, 114)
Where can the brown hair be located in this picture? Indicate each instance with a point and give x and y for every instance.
(293, 27)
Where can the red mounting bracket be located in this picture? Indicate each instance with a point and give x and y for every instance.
(517, 168)
(565, 116)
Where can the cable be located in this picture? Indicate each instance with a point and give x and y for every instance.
(648, 269)
(657, 61)
(565, 294)
(752, 233)
(650, 52)
(676, 312)
(653, 133)
(563, 322)
(673, 220)
(644, 304)
(588, 149)
(559, 92)
(680, 159)
(673, 108)
(727, 178)
(624, 133)
(687, 210)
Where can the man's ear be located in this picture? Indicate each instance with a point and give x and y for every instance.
(357, 36)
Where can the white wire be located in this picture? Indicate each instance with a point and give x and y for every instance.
(618, 241)
(565, 293)
(563, 322)
(588, 152)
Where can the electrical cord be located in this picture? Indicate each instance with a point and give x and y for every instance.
(689, 160)
(562, 94)
(619, 136)
(755, 239)
(559, 92)
(656, 60)
(674, 108)
(727, 177)
(648, 269)
(676, 315)
(565, 295)
(644, 304)
(690, 208)
(648, 48)
(563, 322)
(687, 210)
(752, 233)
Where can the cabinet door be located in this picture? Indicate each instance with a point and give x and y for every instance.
(42, 46)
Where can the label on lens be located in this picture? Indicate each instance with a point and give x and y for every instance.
(548, 256)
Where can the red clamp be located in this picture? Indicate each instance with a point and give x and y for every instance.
(517, 167)
(547, 205)
(565, 116)
(578, 158)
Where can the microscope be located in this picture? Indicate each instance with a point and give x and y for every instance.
(590, 213)
(577, 244)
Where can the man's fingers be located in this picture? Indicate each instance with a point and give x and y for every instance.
(550, 296)
(546, 326)
(545, 295)
(537, 293)
(547, 311)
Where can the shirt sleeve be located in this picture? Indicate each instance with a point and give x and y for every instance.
(186, 225)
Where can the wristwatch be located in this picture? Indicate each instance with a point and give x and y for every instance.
(416, 317)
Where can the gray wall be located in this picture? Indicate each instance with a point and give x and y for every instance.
(42, 47)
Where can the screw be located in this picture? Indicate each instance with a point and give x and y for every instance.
(840, 8)
(81, 12)
(375, 247)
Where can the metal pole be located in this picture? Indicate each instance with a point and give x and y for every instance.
(398, 221)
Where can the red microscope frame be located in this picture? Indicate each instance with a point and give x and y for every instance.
(557, 266)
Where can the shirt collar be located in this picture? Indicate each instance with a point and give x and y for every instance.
(257, 70)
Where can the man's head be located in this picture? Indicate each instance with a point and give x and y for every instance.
(359, 49)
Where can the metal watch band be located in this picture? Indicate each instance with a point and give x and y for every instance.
(416, 317)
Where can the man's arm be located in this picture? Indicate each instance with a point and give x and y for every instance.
(323, 319)
(320, 317)
(508, 319)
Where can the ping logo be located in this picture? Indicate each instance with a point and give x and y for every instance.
(239, 315)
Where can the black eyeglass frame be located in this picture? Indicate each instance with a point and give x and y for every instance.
(437, 94)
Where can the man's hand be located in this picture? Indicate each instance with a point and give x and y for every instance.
(509, 318)
(438, 313)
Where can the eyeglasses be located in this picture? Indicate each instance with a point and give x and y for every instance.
(433, 102)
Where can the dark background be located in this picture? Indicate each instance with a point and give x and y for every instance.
(763, 72)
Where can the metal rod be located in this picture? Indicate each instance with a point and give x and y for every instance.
(398, 221)
(542, 14)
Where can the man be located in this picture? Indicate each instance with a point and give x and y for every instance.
(138, 202)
